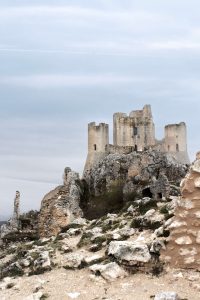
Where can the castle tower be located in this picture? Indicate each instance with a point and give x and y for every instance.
(136, 130)
(98, 138)
(175, 142)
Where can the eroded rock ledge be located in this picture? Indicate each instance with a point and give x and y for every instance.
(61, 206)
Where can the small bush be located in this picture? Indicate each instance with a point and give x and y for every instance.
(164, 210)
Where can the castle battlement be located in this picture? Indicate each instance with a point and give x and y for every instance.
(135, 132)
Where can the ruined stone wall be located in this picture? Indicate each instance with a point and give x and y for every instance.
(98, 138)
(136, 130)
(111, 149)
(175, 141)
(183, 248)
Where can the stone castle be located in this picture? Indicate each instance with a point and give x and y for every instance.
(135, 132)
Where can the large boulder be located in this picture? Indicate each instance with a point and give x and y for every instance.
(110, 271)
(61, 206)
(129, 253)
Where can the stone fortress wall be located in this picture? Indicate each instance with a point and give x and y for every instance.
(183, 247)
(135, 132)
(98, 138)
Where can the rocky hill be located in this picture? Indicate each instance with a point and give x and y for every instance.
(109, 226)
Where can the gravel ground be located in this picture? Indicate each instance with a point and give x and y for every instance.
(61, 284)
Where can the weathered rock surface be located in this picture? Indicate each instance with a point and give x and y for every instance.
(60, 206)
(129, 253)
(183, 250)
(119, 178)
(110, 271)
(167, 296)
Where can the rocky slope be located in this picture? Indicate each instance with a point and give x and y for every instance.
(111, 224)
(102, 251)
(112, 246)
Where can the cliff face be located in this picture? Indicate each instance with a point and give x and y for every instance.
(119, 178)
(60, 206)
(183, 248)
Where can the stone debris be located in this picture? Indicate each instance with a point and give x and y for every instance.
(110, 271)
(43, 262)
(73, 260)
(167, 296)
(73, 295)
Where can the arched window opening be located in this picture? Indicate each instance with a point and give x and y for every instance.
(95, 147)
(135, 148)
(177, 147)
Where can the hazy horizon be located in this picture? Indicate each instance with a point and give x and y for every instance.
(67, 63)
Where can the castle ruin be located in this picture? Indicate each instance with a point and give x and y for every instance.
(135, 132)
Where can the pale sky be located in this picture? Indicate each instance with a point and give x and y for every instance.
(66, 63)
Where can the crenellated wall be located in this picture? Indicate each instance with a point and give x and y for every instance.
(135, 132)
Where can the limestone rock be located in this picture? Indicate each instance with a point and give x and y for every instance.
(129, 252)
(73, 295)
(73, 260)
(110, 271)
(43, 263)
(60, 206)
(166, 296)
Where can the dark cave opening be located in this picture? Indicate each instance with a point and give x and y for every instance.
(147, 193)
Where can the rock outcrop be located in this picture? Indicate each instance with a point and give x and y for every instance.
(61, 206)
(119, 178)
(183, 248)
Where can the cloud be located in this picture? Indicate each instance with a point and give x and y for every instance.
(113, 48)
(56, 81)
(175, 45)
(77, 12)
